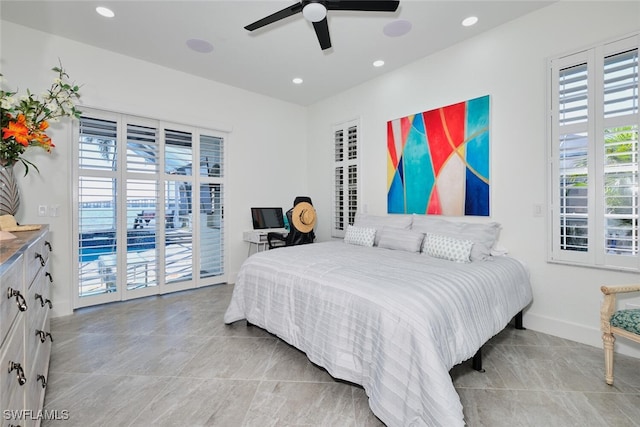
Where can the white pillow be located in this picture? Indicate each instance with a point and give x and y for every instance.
(398, 238)
(445, 247)
(380, 221)
(362, 236)
(484, 236)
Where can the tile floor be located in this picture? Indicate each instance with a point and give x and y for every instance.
(171, 361)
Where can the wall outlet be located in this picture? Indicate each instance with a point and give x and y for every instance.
(42, 210)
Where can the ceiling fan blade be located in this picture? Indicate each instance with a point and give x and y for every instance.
(322, 31)
(284, 13)
(370, 6)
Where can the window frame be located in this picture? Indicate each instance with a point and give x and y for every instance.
(595, 254)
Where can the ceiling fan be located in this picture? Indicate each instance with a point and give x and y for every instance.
(315, 11)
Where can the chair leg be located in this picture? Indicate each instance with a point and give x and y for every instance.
(608, 340)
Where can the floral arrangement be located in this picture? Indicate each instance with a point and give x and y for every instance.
(25, 119)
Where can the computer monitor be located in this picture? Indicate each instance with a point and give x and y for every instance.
(264, 218)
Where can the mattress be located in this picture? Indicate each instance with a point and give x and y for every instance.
(392, 321)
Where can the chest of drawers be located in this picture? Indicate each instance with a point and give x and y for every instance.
(25, 337)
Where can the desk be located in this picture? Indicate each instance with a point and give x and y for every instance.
(258, 239)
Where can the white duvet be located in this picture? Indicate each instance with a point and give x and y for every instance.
(392, 321)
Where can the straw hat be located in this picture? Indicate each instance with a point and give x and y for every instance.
(303, 217)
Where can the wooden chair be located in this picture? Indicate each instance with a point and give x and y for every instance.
(622, 323)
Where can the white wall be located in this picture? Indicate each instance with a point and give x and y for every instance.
(264, 133)
(509, 64)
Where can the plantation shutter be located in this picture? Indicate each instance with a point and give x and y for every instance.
(621, 153)
(346, 180)
(211, 206)
(595, 178)
(97, 189)
(574, 150)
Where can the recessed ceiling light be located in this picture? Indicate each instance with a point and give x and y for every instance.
(378, 63)
(106, 12)
(201, 46)
(297, 80)
(397, 28)
(471, 20)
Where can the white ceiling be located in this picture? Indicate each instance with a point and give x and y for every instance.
(266, 60)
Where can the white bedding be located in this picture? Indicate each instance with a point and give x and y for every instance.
(392, 321)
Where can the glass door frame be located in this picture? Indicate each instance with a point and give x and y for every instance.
(122, 177)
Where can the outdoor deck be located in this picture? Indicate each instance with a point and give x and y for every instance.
(98, 259)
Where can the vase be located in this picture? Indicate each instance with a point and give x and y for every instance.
(9, 194)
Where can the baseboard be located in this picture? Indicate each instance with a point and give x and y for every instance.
(232, 277)
(579, 333)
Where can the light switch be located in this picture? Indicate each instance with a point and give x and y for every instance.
(42, 210)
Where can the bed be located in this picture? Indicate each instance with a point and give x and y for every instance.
(394, 321)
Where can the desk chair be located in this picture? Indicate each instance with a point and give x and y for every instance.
(302, 219)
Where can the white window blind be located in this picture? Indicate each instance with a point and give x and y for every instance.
(594, 156)
(346, 180)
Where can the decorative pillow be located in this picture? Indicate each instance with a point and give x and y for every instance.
(483, 236)
(380, 221)
(362, 236)
(398, 238)
(445, 247)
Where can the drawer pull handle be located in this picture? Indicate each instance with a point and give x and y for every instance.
(20, 301)
(19, 372)
(48, 245)
(43, 335)
(41, 258)
(44, 302)
(43, 379)
(47, 274)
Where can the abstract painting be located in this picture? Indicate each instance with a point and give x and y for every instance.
(438, 161)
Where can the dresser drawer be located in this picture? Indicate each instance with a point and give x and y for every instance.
(12, 365)
(13, 296)
(38, 376)
(36, 256)
(37, 331)
(16, 415)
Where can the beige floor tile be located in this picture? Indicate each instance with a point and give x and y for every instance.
(171, 361)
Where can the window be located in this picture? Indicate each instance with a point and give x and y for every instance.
(148, 208)
(345, 171)
(594, 142)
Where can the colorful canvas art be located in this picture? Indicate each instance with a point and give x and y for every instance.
(438, 161)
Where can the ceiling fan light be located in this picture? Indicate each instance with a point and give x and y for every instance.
(314, 12)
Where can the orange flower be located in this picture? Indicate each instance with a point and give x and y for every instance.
(43, 125)
(41, 139)
(18, 130)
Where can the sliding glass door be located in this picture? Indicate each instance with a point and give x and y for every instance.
(149, 214)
